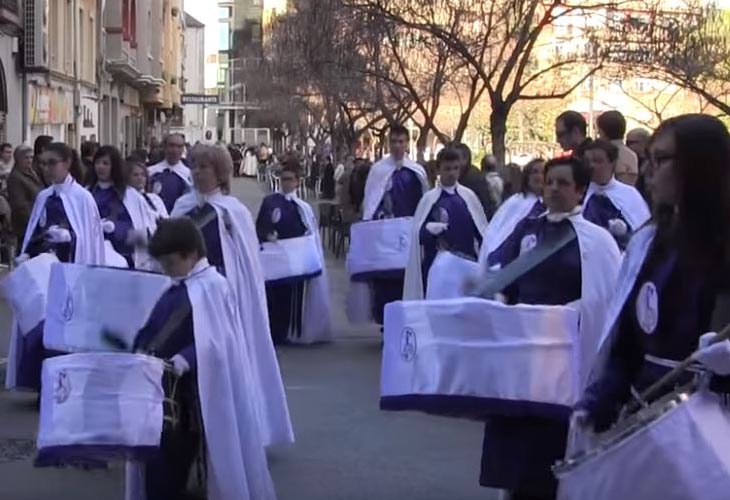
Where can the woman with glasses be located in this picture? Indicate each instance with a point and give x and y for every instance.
(232, 248)
(65, 219)
(674, 280)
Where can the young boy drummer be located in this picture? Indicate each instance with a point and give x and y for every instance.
(194, 325)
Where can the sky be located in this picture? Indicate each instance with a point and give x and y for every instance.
(206, 11)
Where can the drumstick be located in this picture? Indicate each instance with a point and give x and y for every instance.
(674, 375)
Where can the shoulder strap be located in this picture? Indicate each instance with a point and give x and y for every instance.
(526, 262)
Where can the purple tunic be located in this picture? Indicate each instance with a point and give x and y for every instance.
(518, 451)
(461, 237)
(169, 186)
(683, 303)
(111, 207)
(600, 209)
(211, 235)
(285, 299)
(55, 215)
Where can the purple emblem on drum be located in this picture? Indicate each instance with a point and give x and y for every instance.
(276, 215)
(408, 345)
(68, 307)
(647, 307)
(61, 388)
(403, 242)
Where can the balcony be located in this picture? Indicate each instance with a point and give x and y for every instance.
(10, 22)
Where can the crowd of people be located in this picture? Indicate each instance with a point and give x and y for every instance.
(632, 234)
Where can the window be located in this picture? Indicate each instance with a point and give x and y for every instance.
(224, 13)
(82, 43)
(224, 36)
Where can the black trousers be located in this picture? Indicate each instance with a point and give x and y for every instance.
(167, 475)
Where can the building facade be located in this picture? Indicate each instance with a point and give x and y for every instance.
(193, 79)
(11, 83)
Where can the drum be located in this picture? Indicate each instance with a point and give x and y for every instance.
(99, 407)
(472, 358)
(112, 258)
(87, 305)
(379, 245)
(291, 259)
(26, 290)
(449, 276)
(676, 449)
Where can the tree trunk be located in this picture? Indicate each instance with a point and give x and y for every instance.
(421, 145)
(498, 129)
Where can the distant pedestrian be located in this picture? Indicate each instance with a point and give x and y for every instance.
(612, 127)
(24, 184)
(6, 163)
(39, 146)
(571, 131)
(495, 183)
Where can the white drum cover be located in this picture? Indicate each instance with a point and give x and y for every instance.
(449, 275)
(379, 245)
(683, 455)
(101, 399)
(84, 302)
(26, 290)
(479, 354)
(290, 257)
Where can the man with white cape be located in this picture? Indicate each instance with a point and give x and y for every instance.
(578, 267)
(65, 222)
(195, 325)
(393, 189)
(170, 179)
(299, 306)
(232, 246)
(450, 218)
(611, 204)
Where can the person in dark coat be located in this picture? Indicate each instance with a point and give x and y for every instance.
(328, 180)
(473, 179)
(39, 146)
(24, 184)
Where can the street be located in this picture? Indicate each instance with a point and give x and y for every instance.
(346, 448)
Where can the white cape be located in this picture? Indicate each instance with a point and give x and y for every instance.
(634, 257)
(142, 220)
(250, 165)
(316, 319)
(83, 215)
(509, 214)
(378, 179)
(236, 460)
(158, 210)
(626, 198)
(413, 285)
(179, 168)
(243, 271)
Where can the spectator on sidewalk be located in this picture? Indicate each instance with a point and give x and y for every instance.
(495, 183)
(39, 146)
(88, 150)
(24, 184)
(6, 163)
(612, 127)
(571, 132)
(470, 177)
(637, 140)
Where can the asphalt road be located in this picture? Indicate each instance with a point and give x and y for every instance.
(346, 448)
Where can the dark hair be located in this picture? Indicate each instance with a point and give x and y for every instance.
(88, 148)
(139, 155)
(171, 135)
(448, 154)
(463, 151)
(702, 174)
(292, 164)
(609, 148)
(5, 145)
(573, 120)
(178, 235)
(41, 144)
(131, 163)
(581, 173)
(612, 124)
(156, 156)
(67, 153)
(488, 164)
(119, 174)
(398, 129)
(527, 171)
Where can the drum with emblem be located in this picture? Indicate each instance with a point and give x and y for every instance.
(472, 358)
(678, 448)
(26, 290)
(100, 407)
(291, 260)
(379, 245)
(89, 306)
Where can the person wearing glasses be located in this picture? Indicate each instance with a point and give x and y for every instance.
(571, 132)
(170, 179)
(674, 282)
(65, 219)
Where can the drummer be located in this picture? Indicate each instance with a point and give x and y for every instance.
(519, 450)
(448, 218)
(611, 204)
(674, 277)
(65, 219)
(232, 248)
(198, 320)
(292, 313)
(393, 188)
(125, 217)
